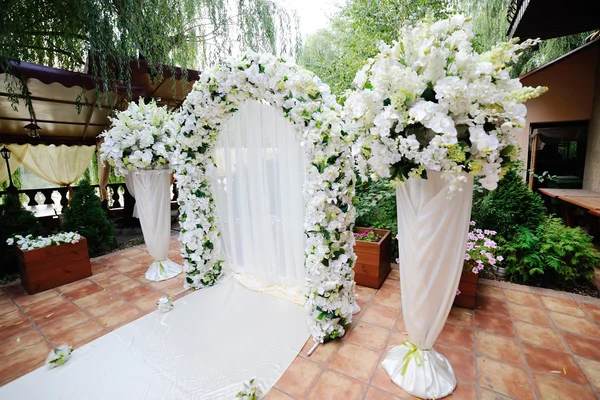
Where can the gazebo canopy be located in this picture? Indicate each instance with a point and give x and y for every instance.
(65, 104)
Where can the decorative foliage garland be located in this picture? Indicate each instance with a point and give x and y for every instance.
(310, 107)
(30, 243)
(141, 137)
(430, 102)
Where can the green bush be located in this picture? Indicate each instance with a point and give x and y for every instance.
(553, 253)
(14, 220)
(508, 208)
(375, 204)
(85, 215)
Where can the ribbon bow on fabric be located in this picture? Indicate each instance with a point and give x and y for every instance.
(414, 352)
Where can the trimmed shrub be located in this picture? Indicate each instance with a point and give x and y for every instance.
(85, 215)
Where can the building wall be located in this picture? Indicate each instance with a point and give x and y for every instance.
(591, 177)
(570, 83)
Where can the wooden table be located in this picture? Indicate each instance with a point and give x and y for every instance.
(586, 199)
(559, 193)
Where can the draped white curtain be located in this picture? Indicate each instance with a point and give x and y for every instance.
(258, 192)
(153, 200)
(61, 165)
(432, 235)
(17, 154)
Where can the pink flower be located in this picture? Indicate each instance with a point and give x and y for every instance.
(397, 261)
(472, 223)
(475, 270)
(499, 258)
(467, 257)
(457, 292)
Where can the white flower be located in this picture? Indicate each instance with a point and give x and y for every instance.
(59, 356)
(165, 304)
(29, 243)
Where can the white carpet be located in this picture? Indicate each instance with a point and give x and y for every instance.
(205, 348)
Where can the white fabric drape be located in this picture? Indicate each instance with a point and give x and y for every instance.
(432, 232)
(258, 193)
(17, 154)
(131, 189)
(61, 165)
(152, 192)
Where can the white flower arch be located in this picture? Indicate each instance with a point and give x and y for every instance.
(328, 190)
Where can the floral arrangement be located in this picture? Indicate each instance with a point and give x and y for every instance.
(30, 243)
(59, 355)
(165, 304)
(481, 250)
(250, 391)
(368, 236)
(431, 102)
(329, 188)
(141, 137)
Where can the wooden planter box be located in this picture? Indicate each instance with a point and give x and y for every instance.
(468, 290)
(373, 259)
(53, 266)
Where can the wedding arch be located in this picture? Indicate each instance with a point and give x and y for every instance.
(312, 110)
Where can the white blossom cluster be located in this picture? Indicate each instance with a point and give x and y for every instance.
(431, 102)
(141, 137)
(30, 243)
(59, 356)
(329, 188)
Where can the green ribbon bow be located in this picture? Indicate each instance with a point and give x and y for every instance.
(414, 352)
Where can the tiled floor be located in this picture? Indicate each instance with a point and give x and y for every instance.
(520, 342)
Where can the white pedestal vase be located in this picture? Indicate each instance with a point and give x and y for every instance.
(432, 232)
(151, 189)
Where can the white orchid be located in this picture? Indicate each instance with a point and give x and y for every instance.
(329, 188)
(29, 242)
(430, 102)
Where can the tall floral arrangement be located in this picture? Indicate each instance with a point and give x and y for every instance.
(431, 102)
(141, 137)
(329, 187)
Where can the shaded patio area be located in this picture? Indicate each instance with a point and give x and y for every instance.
(520, 342)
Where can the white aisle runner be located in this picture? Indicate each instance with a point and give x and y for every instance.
(205, 348)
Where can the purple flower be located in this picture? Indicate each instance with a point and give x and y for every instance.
(457, 292)
(467, 257)
(472, 223)
(475, 270)
(499, 258)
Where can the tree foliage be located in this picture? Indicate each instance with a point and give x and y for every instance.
(186, 33)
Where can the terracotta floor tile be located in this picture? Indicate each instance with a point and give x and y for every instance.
(124, 286)
(335, 386)
(119, 316)
(127, 266)
(584, 346)
(371, 336)
(391, 285)
(539, 335)
(299, 378)
(114, 280)
(42, 316)
(138, 292)
(59, 325)
(489, 395)
(526, 299)
(545, 360)
(564, 306)
(83, 291)
(324, 352)
(356, 361)
(381, 316)
(363, 307)
(504, 378)
(99, 310)
(102, 277)
(529, 314)
(463, 362)
(490, 291)
(78, 335)
(382, 380)
(399, 326)
(592, 310)
(14, 291)
(461, 316)
(568, 323)
(45, 305)
(9, 317)
(394, 274)
(275, 394)
(557, 389)
(29, 300)
(70, 287)
(500, 347)
(388, 299)
(591, 369)
(148, 303)
(396, 339)
(457, 336)
(463, 391)
(7, 306)
(378, 394)
(20, 342)
(94, 299)
(15, 326)
(492, 306)
(26, 358)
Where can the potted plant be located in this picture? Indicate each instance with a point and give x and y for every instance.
(49, 262)
(480, 251)
(372, 249)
